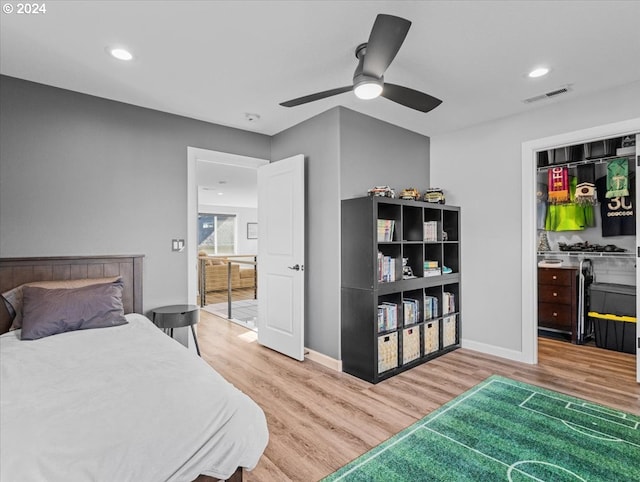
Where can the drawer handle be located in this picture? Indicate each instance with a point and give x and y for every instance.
(554, 277)
(555, 314)
(555, 294)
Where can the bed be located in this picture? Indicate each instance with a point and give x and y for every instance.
(118, 402)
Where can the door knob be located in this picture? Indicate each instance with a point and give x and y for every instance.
(295, 267)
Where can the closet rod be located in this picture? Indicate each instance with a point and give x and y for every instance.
(600, 160)
(588, 254)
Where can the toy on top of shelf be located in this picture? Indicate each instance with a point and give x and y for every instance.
(410, 193)
(381, 191)
(434, 195)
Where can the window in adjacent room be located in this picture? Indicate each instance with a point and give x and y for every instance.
(217, 233)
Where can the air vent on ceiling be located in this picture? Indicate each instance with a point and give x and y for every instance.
(548, 95)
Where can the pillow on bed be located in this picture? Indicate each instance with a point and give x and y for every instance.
(49, 312)
(13, 298)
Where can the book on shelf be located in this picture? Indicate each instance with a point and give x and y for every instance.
(386, 268)
(430, 307)
(411, 311)
(432, 272)
(387, 316)
(430, 231)
(385, 230)
(448, 303)
(431, 269)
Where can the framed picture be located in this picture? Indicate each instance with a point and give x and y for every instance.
(252, 230)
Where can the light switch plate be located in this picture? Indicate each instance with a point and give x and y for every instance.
(177, 244)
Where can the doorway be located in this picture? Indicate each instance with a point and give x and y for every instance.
(222, 216)
(529, 227)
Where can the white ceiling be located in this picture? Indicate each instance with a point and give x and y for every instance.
(221, 183)
(217, 60)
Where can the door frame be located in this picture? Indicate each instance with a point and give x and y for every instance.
(529, 228)
(195, 154)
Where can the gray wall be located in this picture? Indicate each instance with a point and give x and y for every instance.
(318, 140)
(374, 152)
(81, 175)
(346, 153)
(480, 167)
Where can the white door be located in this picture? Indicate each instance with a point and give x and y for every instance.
(281, 205)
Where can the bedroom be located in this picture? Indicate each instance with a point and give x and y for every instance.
(138, 155)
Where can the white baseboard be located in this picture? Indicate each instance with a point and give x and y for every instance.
(334, 364)
(494, 350)
(323, 359)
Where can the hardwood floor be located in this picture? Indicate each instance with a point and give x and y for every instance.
(320, 419)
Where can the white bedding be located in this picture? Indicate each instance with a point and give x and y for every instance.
(120, 404)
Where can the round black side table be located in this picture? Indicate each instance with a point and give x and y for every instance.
(177, 316)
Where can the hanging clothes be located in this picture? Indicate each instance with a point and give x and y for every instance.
(570, 216)
(541, 204)
(618, 213)
(618, 178)
(558, 180)
(586, 187)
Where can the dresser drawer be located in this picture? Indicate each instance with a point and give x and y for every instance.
(559, 277)
(555, 316)
(555, 294)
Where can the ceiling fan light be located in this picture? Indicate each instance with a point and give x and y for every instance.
(368, 90)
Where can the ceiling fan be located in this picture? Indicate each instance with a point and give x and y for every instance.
(374, 57)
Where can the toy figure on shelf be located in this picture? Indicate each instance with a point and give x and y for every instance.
(410, 194)
(407, 272)
(381, 191)
(434, 195)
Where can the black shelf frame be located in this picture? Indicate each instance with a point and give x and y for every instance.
(362, 292)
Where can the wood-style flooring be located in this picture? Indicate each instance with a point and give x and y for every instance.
(320, 419)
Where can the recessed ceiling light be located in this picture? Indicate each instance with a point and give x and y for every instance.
(220, 193)
(120, 54)
(539, 72)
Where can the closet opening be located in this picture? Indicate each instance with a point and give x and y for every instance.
(586, 226)
(580, 247)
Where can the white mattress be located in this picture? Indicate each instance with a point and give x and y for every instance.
(120, 404)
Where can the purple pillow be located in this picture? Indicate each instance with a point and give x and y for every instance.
(51, 311)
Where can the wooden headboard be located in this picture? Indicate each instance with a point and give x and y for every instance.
(17, 271)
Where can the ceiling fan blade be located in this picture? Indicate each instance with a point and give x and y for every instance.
(409, 97)
(316, 96)
(386, 37)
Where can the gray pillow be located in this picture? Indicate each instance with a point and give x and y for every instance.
(13, 298)
(51, 311)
